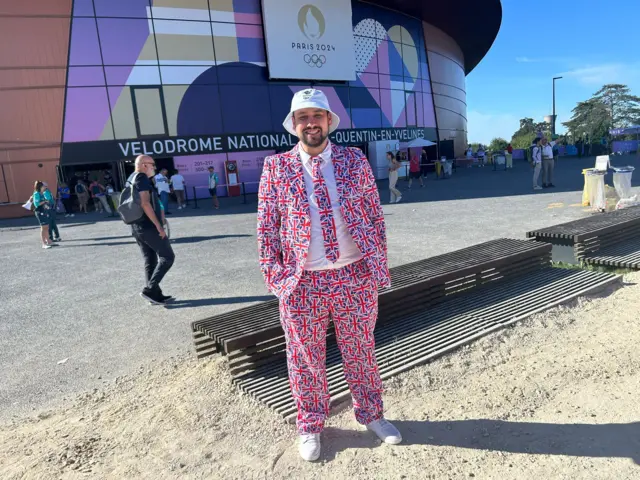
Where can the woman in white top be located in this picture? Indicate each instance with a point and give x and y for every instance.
(394, 165)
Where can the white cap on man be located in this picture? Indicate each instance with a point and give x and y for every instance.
(309, 98)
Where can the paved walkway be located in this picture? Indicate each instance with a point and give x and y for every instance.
(72, 318)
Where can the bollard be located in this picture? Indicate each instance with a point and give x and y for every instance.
(195, 199)
(244, 194)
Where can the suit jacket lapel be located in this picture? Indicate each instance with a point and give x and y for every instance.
(339, 169)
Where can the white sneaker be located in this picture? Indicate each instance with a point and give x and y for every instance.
(537, 187)
(309, 447)
(45, 246)
(72, 215)
(398, 199)
(385, 431)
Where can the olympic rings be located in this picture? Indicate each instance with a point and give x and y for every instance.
(315, 60)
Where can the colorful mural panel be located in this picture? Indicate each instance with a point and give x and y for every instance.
(148, 68)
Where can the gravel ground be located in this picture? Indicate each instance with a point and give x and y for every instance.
(80, 300)
(553, 397)
(73, 324)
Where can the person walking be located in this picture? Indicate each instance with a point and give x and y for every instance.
(149, 232)
(178, 183)
(99, 199)
(164, 188)
(54, 234)
(548, 163)
(536, 159)
(414, 171)
(82, 192)
(43, 212)
(396, 195)
(213, 187)
(323, 253)
(65, 195)
(424, 162)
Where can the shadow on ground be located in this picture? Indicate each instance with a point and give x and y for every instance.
(205, 302)
(180, 240)
(609, 440)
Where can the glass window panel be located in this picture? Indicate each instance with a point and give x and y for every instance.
(122, 114)
(148, 109)
(411, 109)
(240, 114)
(85, 77)
(186, 75)
(87, 115)
(396, 65)
(365, 49)
(84, 49)
(136, 75)
(126, 41)
(181, 9)
(410, 59)
(193, 46)
(83, 8)
(121, 8)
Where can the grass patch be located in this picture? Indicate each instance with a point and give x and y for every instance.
(592, 268)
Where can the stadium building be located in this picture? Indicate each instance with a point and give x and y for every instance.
(87, 85)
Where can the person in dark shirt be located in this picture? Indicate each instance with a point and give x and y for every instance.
(149, 232)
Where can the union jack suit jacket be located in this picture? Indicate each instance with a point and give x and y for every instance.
(284, 222)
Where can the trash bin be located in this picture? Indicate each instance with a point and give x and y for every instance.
(594, 192)
(622, 181)
(447, 167)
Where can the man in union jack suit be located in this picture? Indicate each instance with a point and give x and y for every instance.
(323, 253)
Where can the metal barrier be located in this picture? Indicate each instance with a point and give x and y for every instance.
(242, 185)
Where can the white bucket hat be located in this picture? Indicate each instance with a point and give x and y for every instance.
(309, 98)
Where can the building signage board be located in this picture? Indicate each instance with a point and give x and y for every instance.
(309, 39)
(113, 150)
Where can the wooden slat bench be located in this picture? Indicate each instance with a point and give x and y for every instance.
(254, 333)
(418, 337)
(595, 239)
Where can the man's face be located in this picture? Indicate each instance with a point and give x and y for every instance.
(210, 169)
(312, 126)
(544, 141)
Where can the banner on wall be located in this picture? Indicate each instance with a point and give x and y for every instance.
(113, 150)
(309, 39)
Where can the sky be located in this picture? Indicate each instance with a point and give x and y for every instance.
(588, 42)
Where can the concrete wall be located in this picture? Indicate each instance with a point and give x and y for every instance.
(34, 42)
(446, 66)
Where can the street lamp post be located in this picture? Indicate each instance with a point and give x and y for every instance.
(553, 123)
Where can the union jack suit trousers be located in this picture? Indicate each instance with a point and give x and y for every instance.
(349, 297)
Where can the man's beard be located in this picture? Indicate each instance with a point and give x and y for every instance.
(313, 143)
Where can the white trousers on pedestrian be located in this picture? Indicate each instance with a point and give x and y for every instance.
(548, 165)
(395, 193)
(536, 174)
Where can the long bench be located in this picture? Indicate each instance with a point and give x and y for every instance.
(421, 336)
(607, 239)
(434, 306)
(255, 331)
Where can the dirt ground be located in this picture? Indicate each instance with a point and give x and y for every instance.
(554, 397)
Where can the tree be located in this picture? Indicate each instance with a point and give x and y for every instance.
(622, 107)
(612, 106)
(528, 131)
(590, 119)
(498, 145)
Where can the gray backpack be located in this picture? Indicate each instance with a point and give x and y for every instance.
(130, 208)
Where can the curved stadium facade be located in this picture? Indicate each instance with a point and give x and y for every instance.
(89, 84)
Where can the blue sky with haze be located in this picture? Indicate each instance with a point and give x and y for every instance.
(589, 43)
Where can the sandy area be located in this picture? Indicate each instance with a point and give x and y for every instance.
(554, 397)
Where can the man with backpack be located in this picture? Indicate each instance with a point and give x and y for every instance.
(141, 208)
